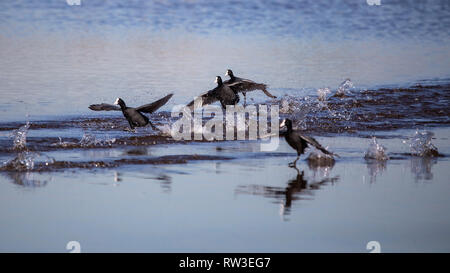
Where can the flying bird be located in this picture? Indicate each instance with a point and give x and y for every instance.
(222, 93)
(133, 115)
(244, 85)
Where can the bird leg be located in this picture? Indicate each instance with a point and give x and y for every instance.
(245, 98)
(294, 164)
(153, 126)
(131, 129)
(298, 171)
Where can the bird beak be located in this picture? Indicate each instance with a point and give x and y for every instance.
(283, 123)
(117, 101)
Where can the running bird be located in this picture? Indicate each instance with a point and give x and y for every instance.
(244, 85)
(222, 93)
(300, 142)
(133, 115)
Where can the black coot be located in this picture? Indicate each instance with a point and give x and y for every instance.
(133, 115)
(244, 85)
(222, 93)
(300, 142)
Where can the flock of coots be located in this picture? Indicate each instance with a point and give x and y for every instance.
(227, 93)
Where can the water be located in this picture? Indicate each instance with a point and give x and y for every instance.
(370, 83)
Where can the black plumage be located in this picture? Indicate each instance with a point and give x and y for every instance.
(245, 85)
(300, 142)
(222, 93)
(133, 115)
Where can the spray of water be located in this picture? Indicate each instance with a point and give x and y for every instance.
(344, 88)
(318, 159)
(87, 140)
(420, 144)
(20, 137)
(376, 151)
(25, 159)
(322, 93)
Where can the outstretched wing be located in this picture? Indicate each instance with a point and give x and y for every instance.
(244, 85)
(104, 107)
(207, 98)
(313, 142)
(152, 107)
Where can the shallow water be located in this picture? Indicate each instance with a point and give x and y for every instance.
(371, 83)
(253, 202)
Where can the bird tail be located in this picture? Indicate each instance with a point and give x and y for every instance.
(325, 151)
(264, 89)
(313, 142)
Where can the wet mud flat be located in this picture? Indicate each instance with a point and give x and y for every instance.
(344, 111)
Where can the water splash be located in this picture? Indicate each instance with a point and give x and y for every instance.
(166, 130)
(420, 144)
(318, 159)
(22, 162)
(344, 88)
(25, 161)
(309, 111)
(64, 144)
(376, 157)
(87, 140)
(376, 151)
(289, 104)
(322, 93)
(20, 137)
(320, 164)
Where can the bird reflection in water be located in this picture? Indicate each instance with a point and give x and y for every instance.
(296, 189)
(165, 182)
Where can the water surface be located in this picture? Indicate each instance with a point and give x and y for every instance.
(71, 174)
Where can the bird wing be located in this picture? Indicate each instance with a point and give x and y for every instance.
(207, 98)
(152, 107)
(104, 107)
(244, 85)
(316, 144)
